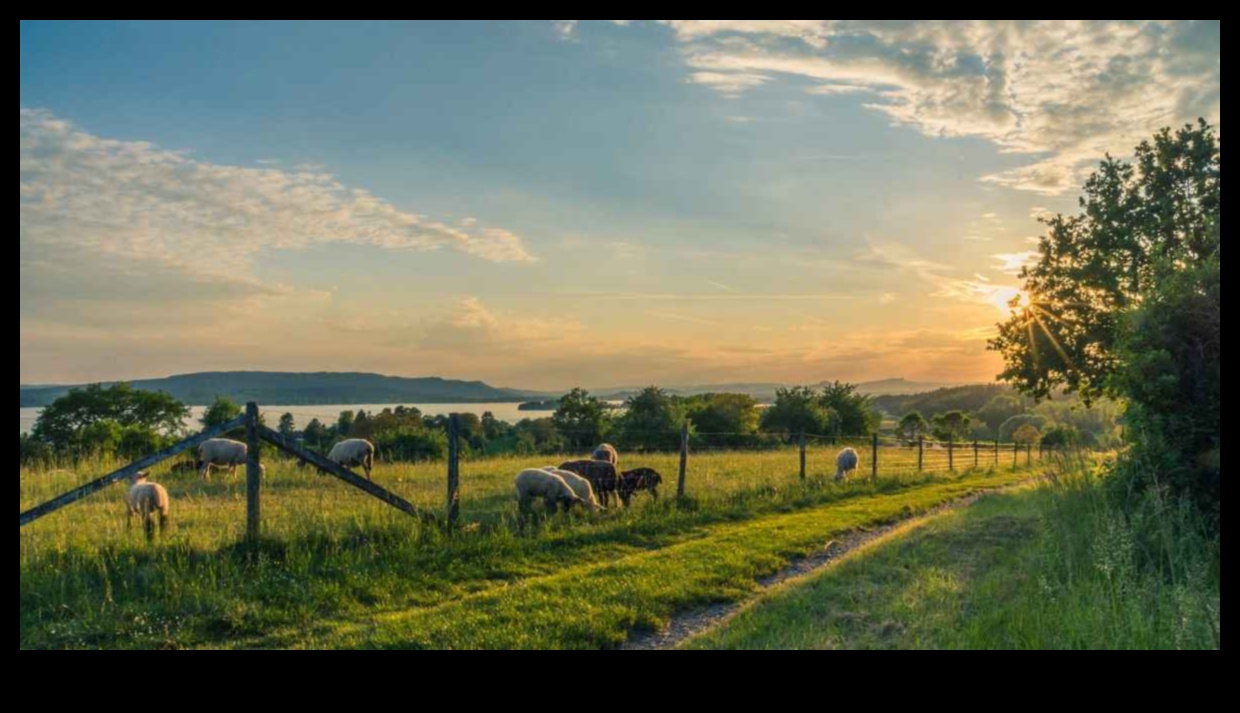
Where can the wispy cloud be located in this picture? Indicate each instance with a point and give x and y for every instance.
(1064, 91)
(673, 317)
(106, 212)
(1012, 263)
(720, 285)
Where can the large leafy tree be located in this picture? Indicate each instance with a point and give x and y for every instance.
(951, 426)
(1141, 224)
(912, 427)
(1125, 300)
(221, 411)
(581, 419)
(104, 413)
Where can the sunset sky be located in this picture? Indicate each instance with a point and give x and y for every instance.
(545, 204)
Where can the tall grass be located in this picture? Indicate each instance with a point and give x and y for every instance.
(330, 552)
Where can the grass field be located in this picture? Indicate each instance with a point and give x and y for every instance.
(336, 568)
(1051, 567)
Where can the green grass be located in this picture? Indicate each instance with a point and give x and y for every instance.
(1056, 567)
(336, 568)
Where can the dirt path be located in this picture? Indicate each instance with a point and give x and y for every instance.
(689, 624)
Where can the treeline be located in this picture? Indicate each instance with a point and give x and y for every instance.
(998, 413)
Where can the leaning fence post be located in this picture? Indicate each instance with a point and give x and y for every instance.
(951, 454)
(802, 440)
(454, 468)
(976, 458)
(684, 459)
(921, 453)
(874, 459)
(253, 473)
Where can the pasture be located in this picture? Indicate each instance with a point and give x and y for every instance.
(337, 568)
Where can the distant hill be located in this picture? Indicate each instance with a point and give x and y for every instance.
(305, 389)
(957, 398)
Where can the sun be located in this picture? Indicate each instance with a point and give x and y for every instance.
(1010, 299)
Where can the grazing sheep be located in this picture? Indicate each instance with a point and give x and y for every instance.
(636, 480)
(146, 499)
(603, 476)
(220, 453)
(607, 452)
(354, 451)
(580, 485)
(535, 483)
(846, 460)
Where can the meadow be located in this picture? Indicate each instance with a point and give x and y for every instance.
(338, 569)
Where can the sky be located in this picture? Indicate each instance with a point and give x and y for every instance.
(551, 203)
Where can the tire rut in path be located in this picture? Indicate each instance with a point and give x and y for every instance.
(689, 624)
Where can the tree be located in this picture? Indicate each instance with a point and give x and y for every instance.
(1009, 427)
(62, 423)
(1027, 434)
(1142, 227)
(344, 424)
(724, 419)
(651, 420)
(316, 434)
(1060, 436)
(581, 419)
(912, 427)
(951, 426)
(1000, 409)
(855, 414)
(493, 429)
(798, 410)
(221, 411)
(287, 426)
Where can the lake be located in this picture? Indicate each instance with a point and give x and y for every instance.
(328, 413)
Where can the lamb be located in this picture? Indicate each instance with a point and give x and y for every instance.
(145, 498)
(221, 453)
(536, 483)
(846, 460)
(354, 451)
(607, 452)
(638, 479)
(603, 476)
(580, 486)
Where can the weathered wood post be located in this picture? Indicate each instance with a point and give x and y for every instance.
(1015, 455)
(921, 453)
(684, 459)
(802, 440)
(253, 474)
(976, 458)
(454, 468)
(874, 458)
(951, 454)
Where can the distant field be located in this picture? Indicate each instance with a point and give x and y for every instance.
(336, 565)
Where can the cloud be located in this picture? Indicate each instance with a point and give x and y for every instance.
(1063, 92)
(565, 28)
(472, 326)
(942, 279)
(1012, 263)
(96, 213)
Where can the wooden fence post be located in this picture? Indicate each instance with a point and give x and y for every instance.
(454, 468)
(253, 474)
(802, 439)
(684, 459)
(976, 458)
(921, 453)
(874, 459)
(951, 454)
(1015, 455)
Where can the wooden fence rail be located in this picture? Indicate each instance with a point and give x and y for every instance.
(137, 466)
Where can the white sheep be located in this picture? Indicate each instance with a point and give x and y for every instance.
(844, 462)
(607, 452)
(145, 499)
(580, 486)
(222, 453)
(536, 483)
(354, 451)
